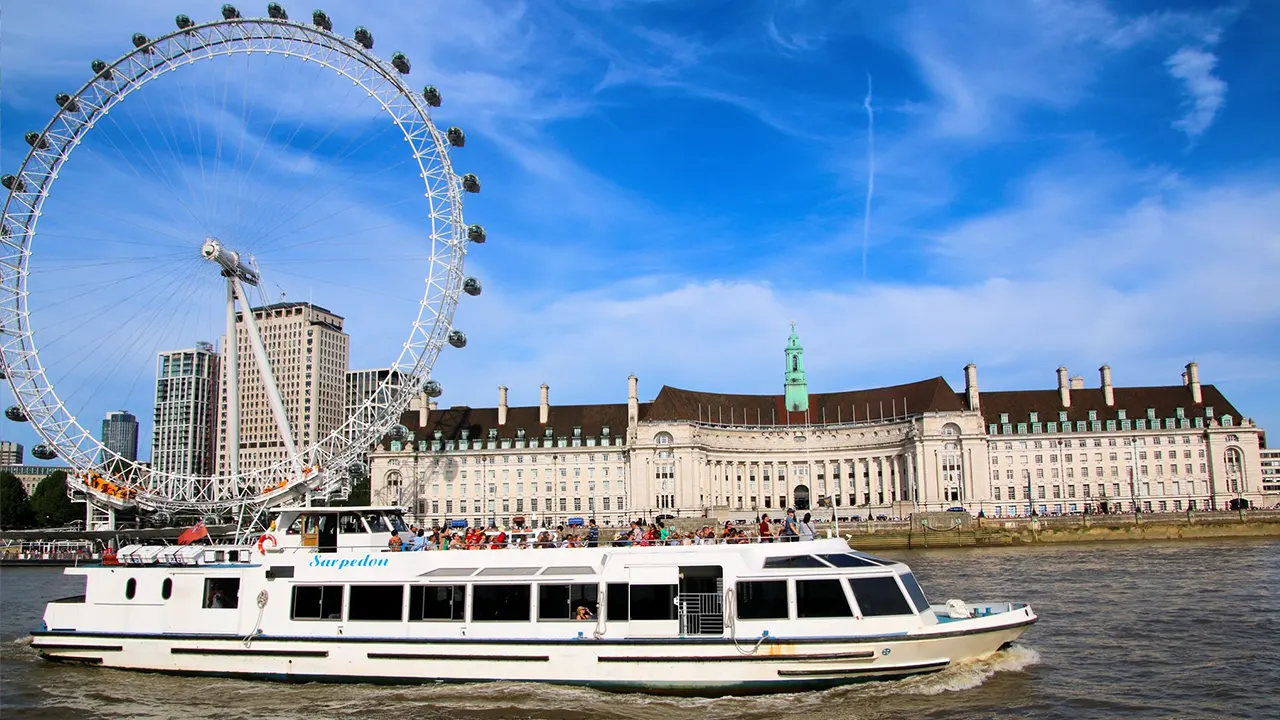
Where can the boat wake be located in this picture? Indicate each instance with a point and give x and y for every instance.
(971, 674)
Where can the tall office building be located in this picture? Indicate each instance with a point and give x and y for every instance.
(308, 351)
(10, 452)
(120, 434)
(182, 440)
(361, 386)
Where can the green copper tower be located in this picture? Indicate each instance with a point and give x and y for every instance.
(797, 388)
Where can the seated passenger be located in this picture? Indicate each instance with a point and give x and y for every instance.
(395, 544)
(583, 613)
(420, 540)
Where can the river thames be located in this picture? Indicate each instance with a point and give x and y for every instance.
(1160, 630)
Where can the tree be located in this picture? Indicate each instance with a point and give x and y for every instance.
(15, 508)
(50, 504)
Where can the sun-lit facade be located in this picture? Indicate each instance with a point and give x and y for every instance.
(887, 451)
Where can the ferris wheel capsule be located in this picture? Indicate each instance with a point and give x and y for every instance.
(14, 183)
(16, 414)
(229, 12)
(275, 12)
(43, 452)
(321, 20)
(456, 137)
(36, 140)
(100, 67)
(432, 389)
(471, 183)
(140, 41)
(67, 102)
(183, 22)
(400, 62)
(471, 286)
(457, 338)
(476, 234)
(364, 37)
(431, 95)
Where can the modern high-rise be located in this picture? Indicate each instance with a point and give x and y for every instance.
(120, 434)
(182, 439)
(308, 352)
(10, 452)
(361, 386)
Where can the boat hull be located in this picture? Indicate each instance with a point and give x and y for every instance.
(683, 666)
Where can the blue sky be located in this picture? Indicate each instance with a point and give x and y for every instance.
(667, 184)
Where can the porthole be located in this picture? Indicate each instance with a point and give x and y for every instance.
(166, 588)
(130, 588)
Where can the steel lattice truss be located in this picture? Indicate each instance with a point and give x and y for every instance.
(329, 462)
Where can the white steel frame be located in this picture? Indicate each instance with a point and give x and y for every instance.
(327, 464)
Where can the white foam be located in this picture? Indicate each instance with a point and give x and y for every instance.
(972, 673)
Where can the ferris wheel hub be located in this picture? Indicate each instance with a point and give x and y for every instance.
(214, 251)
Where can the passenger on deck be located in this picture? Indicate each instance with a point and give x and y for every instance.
(420, 540)
(395, 544)
(766, 531)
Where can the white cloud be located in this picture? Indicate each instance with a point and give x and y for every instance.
(1206, 93)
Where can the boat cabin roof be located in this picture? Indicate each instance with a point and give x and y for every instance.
(336, 509)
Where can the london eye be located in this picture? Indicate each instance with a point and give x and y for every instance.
(204, 194)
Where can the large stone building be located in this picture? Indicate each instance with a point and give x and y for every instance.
(182, 436)
(308, 352)
(887, 451)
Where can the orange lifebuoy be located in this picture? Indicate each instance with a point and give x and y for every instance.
(265, 537)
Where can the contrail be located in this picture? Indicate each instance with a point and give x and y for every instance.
(871, 174)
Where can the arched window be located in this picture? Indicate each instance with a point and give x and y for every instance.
(950, 429)
(1235, 469)
(663, 438)
(393, 479)
(795, 364)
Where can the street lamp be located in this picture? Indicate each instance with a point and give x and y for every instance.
(1133, 479)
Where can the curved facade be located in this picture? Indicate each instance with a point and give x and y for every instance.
(887, 451)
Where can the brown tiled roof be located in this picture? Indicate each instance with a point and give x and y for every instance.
(1135, 401)
(895, 401)
(561, 418)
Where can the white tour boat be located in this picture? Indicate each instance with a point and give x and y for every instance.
(323, 600)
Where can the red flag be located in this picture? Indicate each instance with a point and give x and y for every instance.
(193, 533)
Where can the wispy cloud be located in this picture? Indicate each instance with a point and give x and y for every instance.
(1205, 92)
(871, 174)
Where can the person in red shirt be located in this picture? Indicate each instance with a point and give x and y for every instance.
(766, 531)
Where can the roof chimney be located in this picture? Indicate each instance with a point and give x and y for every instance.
(1064, 387)
(1193, 381)
(633, 400)
(544, 407)
(432, 405)
(971, 386)
(1108, 394)
(424, 406)
(1077, 382)
(502, 405)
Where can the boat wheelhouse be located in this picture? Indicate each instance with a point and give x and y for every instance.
(704, 619)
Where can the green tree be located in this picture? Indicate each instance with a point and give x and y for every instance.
(50, 504)
(15, 508)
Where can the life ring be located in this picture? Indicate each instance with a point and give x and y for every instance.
(265, 537)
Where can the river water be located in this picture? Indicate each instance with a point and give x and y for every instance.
(1162, 630)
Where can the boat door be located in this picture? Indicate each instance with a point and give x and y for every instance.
(652, 602)
(701, 600)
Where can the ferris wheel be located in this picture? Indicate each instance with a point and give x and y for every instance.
(202, 203)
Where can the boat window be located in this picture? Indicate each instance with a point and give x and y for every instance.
(821, 598)
(915, 592)
(130, 588)
(653, 602)
(501, 603)
(571, 570)
(166, 589)
(794, 561)
(437, 602)
(376, 523)
(879, 596)
(221, 593)
(848, 560)
(617, 604)
(376, 602)
(397, 522)
(872, 558)
(317, 602)
(762, 600)
(295, 527)
(510, 571)
(561, 602)
(349, 524)
(450, 572)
